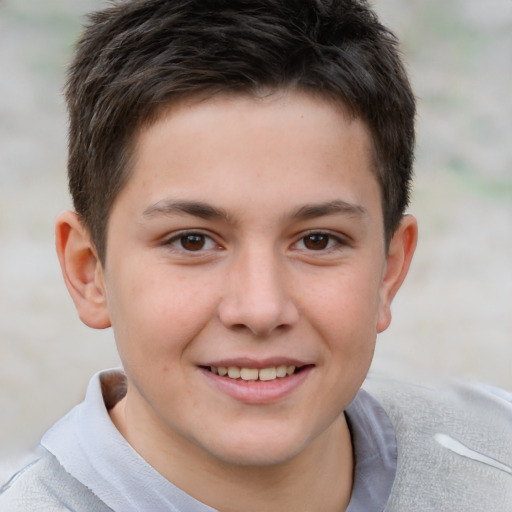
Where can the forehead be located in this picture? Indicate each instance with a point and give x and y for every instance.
(269, 102)
(218, 148)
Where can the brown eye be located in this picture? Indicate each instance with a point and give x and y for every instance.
(192, 242)
(316, 242)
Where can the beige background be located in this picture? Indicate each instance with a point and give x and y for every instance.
(454, 315)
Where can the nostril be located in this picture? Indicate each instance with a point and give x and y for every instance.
(240, 328)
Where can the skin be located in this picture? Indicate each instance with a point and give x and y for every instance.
(287, 262)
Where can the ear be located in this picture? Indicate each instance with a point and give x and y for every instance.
(398, 261)
(82, 270)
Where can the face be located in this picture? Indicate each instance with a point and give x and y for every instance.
(248, 240)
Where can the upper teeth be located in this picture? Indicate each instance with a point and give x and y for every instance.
(271, 373)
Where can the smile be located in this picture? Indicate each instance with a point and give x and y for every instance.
(247, 374)
(257, 386)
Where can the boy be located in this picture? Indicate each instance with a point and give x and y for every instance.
(240, 172)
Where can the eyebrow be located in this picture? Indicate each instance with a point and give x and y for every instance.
(207, 211)
(311, 211)
(195, 208)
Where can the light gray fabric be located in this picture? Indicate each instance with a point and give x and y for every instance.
(44, 486)
(86, 444)
(375, 454)
(454, 447)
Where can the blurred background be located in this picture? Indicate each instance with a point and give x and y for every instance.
(454, 313)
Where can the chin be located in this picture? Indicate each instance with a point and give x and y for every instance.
(258, 449)
(257, 457)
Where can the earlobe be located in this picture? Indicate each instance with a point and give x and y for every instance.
(82, 270)
(398, 261)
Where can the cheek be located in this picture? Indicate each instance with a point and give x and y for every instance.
(343, 311)
(346, 303)
(159, 312)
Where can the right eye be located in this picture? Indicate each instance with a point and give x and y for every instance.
(320, 241)
(191, 242)
(317, 241)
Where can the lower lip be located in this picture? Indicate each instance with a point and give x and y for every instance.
(258, 392)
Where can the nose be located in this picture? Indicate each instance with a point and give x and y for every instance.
(257, 295)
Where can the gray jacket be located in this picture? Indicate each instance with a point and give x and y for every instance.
(454, 455)
(454, 447)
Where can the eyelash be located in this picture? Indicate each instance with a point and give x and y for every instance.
(176, 242)
(334, 242)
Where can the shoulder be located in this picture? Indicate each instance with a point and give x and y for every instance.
(454, 443)
(44, 485)
(445, 402)
(467, 395)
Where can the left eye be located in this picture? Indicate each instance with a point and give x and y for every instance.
(317, 242)
(192, 242)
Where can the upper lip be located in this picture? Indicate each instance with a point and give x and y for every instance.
(248, 362)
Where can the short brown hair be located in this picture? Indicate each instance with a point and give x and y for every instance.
(138, 56)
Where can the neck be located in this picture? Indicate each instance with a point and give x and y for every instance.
(319, 478)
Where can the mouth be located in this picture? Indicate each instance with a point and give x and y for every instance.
(257, 383)
(267, 374)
